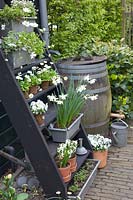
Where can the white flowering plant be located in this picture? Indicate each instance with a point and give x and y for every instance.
(38, 107)
(24, 83)
(23, 41)
(99, 142)
(70, 104)
(65, 151)
(19, 9)
(46, 73)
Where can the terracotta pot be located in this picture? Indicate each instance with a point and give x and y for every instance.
(66, 173)
(73, 162)
(45, 85)
(26, 95)
(33, 89)
(40, 119)
(102, 156)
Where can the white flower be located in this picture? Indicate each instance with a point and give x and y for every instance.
(6, 59)
(47, 66)
(65, 78)
(62, 96)
(26, 23)
(27, 10)
(19, 78)
(31, 96)
(52, 98)
(34, 25)
(81, 88)
(59, 102)
(56, 80)
(32, 55)
(93, 97)
(11, 45)
(3, 26)
(87, 78)
(34, 68)
(29, 72)
(41, 63)
(92, 81)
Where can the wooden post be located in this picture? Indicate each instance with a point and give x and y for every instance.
(29, 133)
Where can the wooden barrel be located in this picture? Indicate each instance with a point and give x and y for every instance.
(96, 113)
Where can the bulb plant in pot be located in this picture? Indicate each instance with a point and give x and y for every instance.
(20, 16)
(68, 108)
(22, 48)
(64, 152)
(38, 109)
(100, 146)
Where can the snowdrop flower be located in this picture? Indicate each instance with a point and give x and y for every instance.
(52, 98)
(93, 97)
(27, 10)
(3, 26)
(87, 78)
(32, 55)
(62, 96)
(92, 81)
(81, 88)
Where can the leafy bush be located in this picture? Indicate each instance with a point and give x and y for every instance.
(73, 23)
(120, 67)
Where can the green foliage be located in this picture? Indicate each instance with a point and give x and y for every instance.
(73, 23)
(8, 192)
(120, 67)
(29, 42)
(16, 11)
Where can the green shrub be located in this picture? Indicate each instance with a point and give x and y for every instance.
(73, 23)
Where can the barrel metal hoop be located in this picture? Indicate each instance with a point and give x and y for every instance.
(90, 66)
(97, 91)
(97, 124)
(81, 70)
(91, 76)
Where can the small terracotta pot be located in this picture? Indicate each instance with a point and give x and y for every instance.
(73, 162)
(66, 173)
(26, 95)
(45, 85)
(40, 119)
(33, 89)
(102, 156)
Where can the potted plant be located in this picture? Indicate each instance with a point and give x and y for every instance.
(24, 84)
(100, 146)
(22, 47)
(68, 108)
(64, 153)
(73, 158)
(20, 16)
(46, 75)
(38, 109)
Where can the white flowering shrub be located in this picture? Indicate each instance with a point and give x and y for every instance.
(38, 107)
(99, 142)
(70, 104)
(65, 151)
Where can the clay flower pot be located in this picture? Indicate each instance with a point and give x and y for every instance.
(66, 173)
(40, 119)
(73, 163)
(45, 85)
(33, 89)
(102, 156)
(26, 95)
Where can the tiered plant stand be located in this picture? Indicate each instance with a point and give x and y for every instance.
(40, 149)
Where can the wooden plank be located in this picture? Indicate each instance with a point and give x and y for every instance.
(27, 129)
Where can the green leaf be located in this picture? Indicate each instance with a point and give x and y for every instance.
(22, 196)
